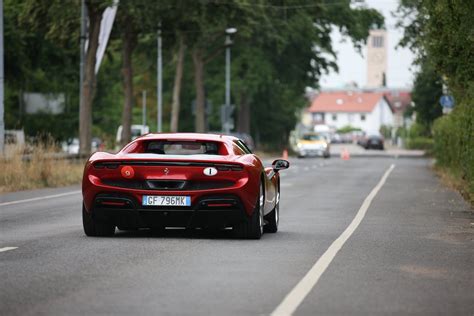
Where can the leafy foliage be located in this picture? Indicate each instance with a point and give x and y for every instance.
(280, 48)
(426, 93)
(441, 33)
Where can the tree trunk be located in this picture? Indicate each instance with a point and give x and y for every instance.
(175, 105)
(127, 73)
(243, 118)
(89, 83)
(200, 118)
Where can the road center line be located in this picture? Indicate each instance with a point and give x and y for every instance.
(291, 302)
(40, 198)
(7, 248)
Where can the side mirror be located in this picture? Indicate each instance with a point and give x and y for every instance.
(280, 164)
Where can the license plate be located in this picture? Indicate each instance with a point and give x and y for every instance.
(166, 200)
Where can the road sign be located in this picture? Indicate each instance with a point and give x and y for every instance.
(446, 101)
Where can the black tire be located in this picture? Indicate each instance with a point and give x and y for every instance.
(253, 227)
(94, 228)
(272, 220)
(326, 156)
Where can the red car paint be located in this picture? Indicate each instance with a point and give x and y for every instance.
(243, 170)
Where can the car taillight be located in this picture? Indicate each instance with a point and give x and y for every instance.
(229, 167)
(108, 165)
(127, 172)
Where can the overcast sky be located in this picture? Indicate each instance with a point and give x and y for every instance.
(353, 66)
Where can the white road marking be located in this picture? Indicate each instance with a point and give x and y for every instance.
(7, 248)
(291, 302)
(40, 198)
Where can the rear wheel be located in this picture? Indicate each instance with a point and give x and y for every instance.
(93, 227)
(273, 219)
(253, 227)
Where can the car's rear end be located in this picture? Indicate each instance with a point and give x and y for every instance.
(374, 142)
(144, 189)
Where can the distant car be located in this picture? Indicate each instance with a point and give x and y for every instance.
(71, 146)
(181, 180)
(246, 138)
(372, 142)
(136, 131)
(312, 144)
(336, 138)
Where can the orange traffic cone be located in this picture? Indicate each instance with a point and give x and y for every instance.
(285, 154)
(345, 154)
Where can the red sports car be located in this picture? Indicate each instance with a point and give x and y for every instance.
(181, 180)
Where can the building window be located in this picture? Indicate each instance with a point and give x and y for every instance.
(334, 117)
(377, 41)
(362, 117)
(318, 117)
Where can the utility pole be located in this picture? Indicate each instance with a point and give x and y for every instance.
(227, 112)
(228, 42)
(82, 53)
(144, 107)
(2, 111)
(159, 84)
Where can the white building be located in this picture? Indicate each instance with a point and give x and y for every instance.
(365, 110)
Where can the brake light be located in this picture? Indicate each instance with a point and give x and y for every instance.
(108, 165)
(127, 172)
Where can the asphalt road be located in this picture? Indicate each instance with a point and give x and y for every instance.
(411, 254)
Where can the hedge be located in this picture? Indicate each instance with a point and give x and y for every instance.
(454, 141)
(424, 143)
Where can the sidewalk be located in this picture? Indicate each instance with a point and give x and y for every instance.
(358, 151)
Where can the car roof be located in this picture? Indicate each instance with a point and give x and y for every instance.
(188, 136)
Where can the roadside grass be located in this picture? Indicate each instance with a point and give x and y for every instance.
(37, 170)
(454, 180)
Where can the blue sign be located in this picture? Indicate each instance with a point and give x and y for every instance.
(446, 101)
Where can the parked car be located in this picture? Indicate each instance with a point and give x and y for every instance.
(312, 144)
(71, 146)
(336, 138)
(372, 142)
(136, 131)
(246, 138)
(181, 180)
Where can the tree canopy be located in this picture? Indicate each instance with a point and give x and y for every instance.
(280, 48)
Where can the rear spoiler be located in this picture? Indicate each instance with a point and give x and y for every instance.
(218, 166)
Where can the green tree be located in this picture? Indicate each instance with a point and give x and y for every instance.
(426, 93)
(441, 33)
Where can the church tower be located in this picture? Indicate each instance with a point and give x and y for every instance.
(376, 58)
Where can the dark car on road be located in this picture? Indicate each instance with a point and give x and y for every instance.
(372, 142)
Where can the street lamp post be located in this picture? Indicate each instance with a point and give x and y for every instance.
(159, 84)
(2, 122)
(227, 111)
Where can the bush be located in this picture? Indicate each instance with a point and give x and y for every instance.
(454, 142)
(424, 143)
(39, 171)
(386, 131)
(348, 129)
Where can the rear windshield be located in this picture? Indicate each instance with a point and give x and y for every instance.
(182, 148)
(312, 137)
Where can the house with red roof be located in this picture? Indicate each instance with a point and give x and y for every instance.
(400, 101)
(365, 110)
